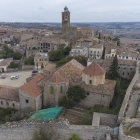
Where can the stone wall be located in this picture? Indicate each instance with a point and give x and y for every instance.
(28, 67)
(127, 95)
(128, 123)
(62, 130)
(12, 70)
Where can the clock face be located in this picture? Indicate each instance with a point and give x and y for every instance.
(65, 17)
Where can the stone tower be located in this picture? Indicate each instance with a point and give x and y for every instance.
(65, 18)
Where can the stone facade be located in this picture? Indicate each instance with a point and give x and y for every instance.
(27, 100)
(53, 92)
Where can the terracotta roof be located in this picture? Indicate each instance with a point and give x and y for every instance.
(70, 71)
(5, 62)
(94, 69)
(50, 67)
(97, 46)
(10, 93)
(31, 87)
(106, 88)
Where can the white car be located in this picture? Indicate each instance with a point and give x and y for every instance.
(14, 77)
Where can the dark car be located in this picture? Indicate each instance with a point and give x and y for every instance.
(34, 71)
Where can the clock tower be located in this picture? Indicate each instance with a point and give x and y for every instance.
(65, 18)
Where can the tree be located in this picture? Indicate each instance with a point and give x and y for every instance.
(118, 41)
(99, 36)
(17, 55)
(76, 93)
(8, 51)
(81, 59)
(34, 48)
(67, 50)
(113, 69)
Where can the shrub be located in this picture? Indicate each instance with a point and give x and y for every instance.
(75, 137)
(85, 119)
(29, 61)
(132, 117)
(139, 93)
(136, 87)
(13, 65)
(63, 101)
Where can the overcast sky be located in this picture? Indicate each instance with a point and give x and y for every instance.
(81, 10)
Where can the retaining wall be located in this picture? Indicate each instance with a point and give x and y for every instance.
(28, 67)
(60, 128)
(127, 95)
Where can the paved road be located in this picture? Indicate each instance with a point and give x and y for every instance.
(18, 72)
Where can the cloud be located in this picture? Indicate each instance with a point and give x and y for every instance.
(40, 8)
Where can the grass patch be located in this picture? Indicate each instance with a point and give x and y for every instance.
(134, 132)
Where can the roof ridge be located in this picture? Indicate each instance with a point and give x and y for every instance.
(100, 68)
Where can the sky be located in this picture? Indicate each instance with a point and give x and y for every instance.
(81, 10)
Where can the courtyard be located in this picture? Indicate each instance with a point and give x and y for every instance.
(16, 82)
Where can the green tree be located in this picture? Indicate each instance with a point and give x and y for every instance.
(63, 101)
(34, 48)
(118, 41)
(99, 36)
(82, 60)
(29, 61)
(8, 52)
(75, 137)
(1, 115)
(67, 50)
(76, 93)
(17, 55)
(13, 65)
(113, 69)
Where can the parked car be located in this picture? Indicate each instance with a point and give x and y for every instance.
(35, 72)
(3, 76)
(14, 77)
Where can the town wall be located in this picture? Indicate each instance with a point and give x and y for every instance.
(28, 67)
(61, 130)
(127, 95)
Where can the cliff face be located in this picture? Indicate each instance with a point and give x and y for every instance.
(60, 128)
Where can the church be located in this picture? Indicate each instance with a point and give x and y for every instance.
(71, 33)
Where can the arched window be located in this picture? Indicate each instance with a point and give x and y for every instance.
(61, 89)
(2, 102)
(51, 89)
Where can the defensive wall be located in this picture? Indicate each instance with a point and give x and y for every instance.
(127, 95)
(61, 129)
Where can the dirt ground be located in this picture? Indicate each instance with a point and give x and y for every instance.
(16, 82)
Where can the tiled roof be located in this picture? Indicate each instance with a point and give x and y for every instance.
(94, 69)
(31, 87)
(5, 62)
(106, 88)
(9, 93)
(97, 46)
(70, 71)
(50, 67)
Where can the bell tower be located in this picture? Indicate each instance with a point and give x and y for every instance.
(65, 18)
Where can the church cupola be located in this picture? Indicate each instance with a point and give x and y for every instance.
(66, 9)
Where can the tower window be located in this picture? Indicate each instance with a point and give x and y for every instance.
(71, 33)
(61, 89)
(65, 17)
(27, 101)
(51, 89)
(7, 104)
(2, 102)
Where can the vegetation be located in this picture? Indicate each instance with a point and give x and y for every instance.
(75, 137)
(76, 93)
(14, 65)
(113, 72)
(63, 101)
(41, 135)
(29, 61)
(135, 87)
(17, 55)
(21, 114)
(118, 41)
(7, 52)
(5, 114)
(59, 54)
(79, 58)
(132, 117)
(134, 132)
(34, 48)
(114, 107)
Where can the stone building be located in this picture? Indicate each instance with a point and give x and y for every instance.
(30, 94)
(41, 60)
(98, 90)
(4, 63)
(72, 34)
(49, 68)
(96, 51)
(9, 97)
